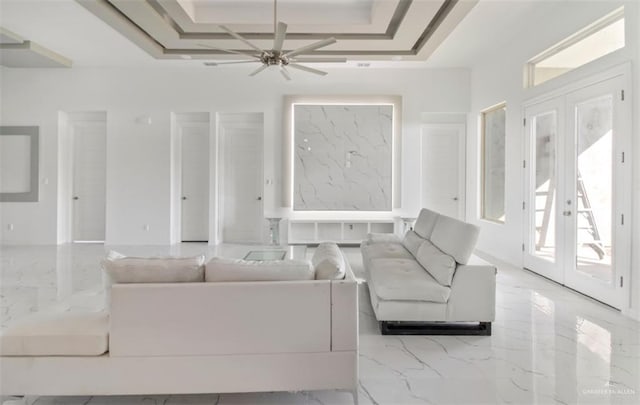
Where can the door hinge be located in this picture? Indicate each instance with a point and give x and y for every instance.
(622, 157)
(524, 164)
(523, 247)
(622, 95)
(621, 281)
(523, 205)
(622, 219)
(524, 122)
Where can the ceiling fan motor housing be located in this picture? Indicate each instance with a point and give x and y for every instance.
(274, 58)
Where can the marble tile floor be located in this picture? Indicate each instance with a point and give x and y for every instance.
(549, 345)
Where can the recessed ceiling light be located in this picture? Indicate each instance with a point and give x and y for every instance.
(185, 56)
(363, 64)
(396, 57)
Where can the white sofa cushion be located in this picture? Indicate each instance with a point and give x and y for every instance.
(425, 223)
(153, 269)
(328, 262)
(455, 238)
(412, 242)
(224, 269)
(382, 237)
(386, 250)
(440, 265)
(405, 280)
(57, 334)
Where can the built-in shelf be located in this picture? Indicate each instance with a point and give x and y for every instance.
(312, 231)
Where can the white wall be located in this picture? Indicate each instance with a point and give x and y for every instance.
(138, 155)
(499, 77)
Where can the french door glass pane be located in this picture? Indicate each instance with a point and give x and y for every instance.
(545, 127)
(594, 187)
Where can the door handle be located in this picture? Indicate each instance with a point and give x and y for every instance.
(75, 197)
(184, 198)
(566, 213)
(259, 198)
(455, 198)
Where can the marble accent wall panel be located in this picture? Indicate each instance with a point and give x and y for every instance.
(342, 157)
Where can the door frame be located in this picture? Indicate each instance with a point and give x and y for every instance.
(623, 173)
(219, 178)
(461, 129)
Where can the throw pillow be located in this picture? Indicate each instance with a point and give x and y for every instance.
(328, 262)
(382, 238)
(220, 269)
(122, 269)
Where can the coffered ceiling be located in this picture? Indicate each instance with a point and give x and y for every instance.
(407, 30)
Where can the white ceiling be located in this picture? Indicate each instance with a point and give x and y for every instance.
(68, 28)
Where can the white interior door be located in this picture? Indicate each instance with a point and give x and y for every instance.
(576, 192)
(442, 168)
(89, 180)
(241, 183)
(195, 181)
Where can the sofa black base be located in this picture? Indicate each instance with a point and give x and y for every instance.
(435, 328)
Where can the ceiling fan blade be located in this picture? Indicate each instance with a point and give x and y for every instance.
(229, 63)
(284, 73)
(307, 69)
(240, 38)
(278, 38)
(311, 47)
(258, 70)
(230, 51)
(318, 60)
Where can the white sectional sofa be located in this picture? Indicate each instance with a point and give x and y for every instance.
(199, 334)
(429, 282)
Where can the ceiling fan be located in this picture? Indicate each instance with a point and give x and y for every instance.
(276, 56)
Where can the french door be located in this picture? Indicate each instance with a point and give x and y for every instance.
(575, 196)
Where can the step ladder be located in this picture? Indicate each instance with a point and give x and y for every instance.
(546, 214)
(583, 208)
(587, 212)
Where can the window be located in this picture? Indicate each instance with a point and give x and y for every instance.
(493, 163)
(598, 39)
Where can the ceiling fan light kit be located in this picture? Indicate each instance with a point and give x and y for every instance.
(276, 56)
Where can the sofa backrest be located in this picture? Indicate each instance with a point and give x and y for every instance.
(200, 319)
(425, 223)
(455, 238)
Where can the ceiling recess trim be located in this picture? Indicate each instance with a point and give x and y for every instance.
(402, 36)
(16, 52)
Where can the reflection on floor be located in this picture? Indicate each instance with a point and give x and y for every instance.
(589, 262)
(549, 345)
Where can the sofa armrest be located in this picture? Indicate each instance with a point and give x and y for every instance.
(344, 311)
(473, 294)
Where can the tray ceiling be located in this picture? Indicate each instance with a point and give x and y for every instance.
(365, 29)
